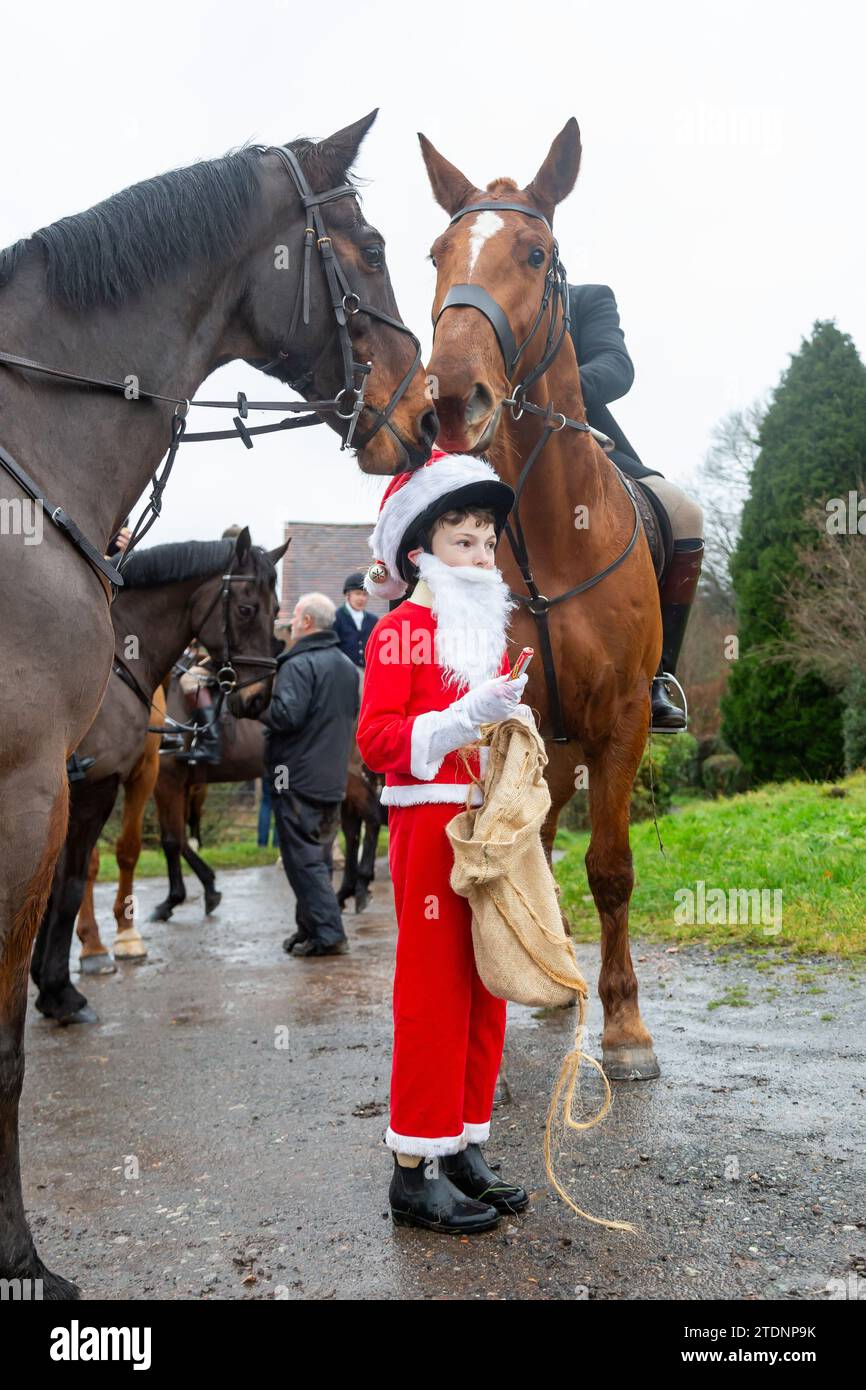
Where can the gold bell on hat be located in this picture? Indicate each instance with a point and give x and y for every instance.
(378, 572)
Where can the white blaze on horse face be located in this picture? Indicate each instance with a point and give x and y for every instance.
(486, 225)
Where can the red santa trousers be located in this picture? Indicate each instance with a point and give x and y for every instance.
(448, 1029)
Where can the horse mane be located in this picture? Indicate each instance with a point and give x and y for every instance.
(132, 240)
(176, 561)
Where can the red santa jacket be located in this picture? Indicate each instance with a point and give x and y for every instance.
(402, 680)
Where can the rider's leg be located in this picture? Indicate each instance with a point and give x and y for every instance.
(677, 594)
(206, 746)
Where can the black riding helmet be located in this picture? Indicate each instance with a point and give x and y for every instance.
(494, 496)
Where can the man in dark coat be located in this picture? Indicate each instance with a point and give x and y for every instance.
(606, 374)
(352, 623)
(311, 723)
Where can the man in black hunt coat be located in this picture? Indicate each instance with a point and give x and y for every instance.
(606, 374)
(310, 726)
(352, 623)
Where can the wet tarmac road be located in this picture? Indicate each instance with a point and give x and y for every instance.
(219, 1133)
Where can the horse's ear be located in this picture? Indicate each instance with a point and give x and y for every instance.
(558, 174)
(339, 152)
(276, 555)
(243, 545)
(450, 188)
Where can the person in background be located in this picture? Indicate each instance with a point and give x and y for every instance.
(196, 684)
(310, 725)
(119, 541)
(352, 623)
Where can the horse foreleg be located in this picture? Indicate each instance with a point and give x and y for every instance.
(137, 791)
(170, 797)
(90, 807)
(627, 1049)
(30, 844)
(206, 877)
(95, 957)
(367, 863)
(351, 827)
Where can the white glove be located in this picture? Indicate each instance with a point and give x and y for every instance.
(493, 700)
(441, 731)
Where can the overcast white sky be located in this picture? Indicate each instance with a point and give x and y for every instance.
(721, 192)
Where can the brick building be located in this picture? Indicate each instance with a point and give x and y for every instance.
(319, 557)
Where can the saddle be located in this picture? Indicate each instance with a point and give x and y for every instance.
(655, 522)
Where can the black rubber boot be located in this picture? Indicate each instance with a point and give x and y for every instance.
(309, 947)
(76, 767)
(470, 1172)
(424, 1196)
(206, 745)
(677, 595)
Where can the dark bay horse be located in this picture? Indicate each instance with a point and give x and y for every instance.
(172, 593)
(154, 289)
(502, 330)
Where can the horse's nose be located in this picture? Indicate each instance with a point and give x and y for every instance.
(427, 427)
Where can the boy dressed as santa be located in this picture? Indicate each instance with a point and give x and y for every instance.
(437, 669)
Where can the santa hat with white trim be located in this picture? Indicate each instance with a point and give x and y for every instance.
(413, 501)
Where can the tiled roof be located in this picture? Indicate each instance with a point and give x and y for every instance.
(319, 557)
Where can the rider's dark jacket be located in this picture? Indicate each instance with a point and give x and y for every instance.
(353, 639)
(606, 370)
(311, 718)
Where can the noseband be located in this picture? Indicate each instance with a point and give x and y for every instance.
(555, 289)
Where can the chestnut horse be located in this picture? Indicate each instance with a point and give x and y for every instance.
(145, 296)
(502, 331)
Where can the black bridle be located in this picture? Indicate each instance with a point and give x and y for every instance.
(226, 675)
(347, 405)
(554, 296)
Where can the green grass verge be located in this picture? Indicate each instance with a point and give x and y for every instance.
(794, 837)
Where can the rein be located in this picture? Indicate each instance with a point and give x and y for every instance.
(555, 292)
(347, 405)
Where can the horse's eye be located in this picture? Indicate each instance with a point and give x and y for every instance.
(536, 256)
(246, 610)
(373, 255)
(433, 260)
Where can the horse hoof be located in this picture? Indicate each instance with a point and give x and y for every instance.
(630, 1064)
(130, 950)
(100, 964)
(212, 900)
(161, 912)
(52, 1288)
(83, 1015)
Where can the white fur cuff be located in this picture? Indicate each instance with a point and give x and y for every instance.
(435, 733)
(427, 1148)
(476, 1134)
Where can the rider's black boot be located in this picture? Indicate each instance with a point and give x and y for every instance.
(424, 1196)
(470, 1172)
(76, 767)
(677, 594)
(205, 746)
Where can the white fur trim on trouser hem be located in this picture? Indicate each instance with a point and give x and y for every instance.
(427, 1148)
(476, 1134)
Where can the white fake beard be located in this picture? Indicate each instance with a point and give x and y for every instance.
(471, 607)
